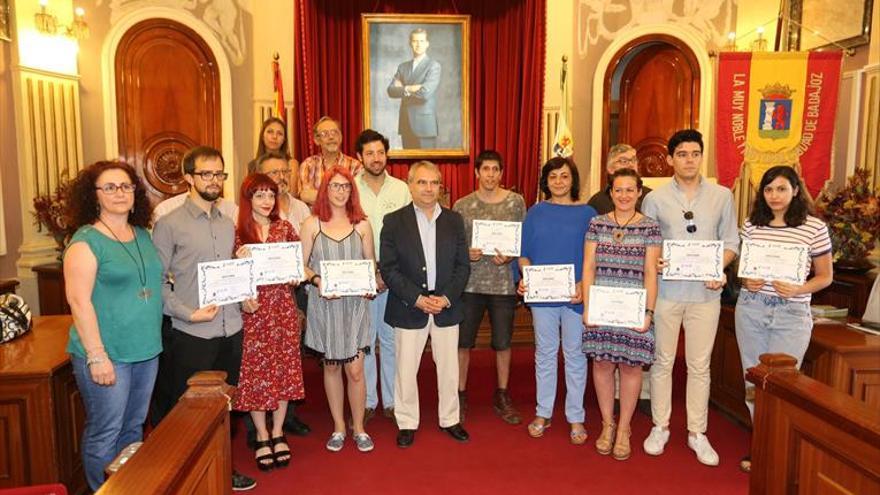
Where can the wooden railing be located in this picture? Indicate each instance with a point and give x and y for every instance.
(189, 452)
(809, 438)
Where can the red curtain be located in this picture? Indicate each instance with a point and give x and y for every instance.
(507, 80)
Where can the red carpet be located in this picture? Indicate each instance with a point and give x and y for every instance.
(499, 458)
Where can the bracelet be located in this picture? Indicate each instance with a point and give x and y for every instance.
(95, 360)
(312, 279)
(649, 312)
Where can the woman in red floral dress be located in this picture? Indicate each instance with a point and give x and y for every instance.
(271, 370)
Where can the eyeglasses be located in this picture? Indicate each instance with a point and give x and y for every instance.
(339, 186)
(277, 172)
(627, 161)
(111, 188)
(208, 176)
(328, 133)
(691, 227)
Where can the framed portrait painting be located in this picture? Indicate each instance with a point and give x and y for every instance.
(416, 81)
(824, 23)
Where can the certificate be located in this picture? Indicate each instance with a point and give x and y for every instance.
(348, 278)
(490, 235)
(617, 306)
(277, 262)
(775, 261)
(226, 282)
(693, 260)
(549, 283)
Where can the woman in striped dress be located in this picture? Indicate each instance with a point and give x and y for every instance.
(774, 316)
(621, 250)
(338, 328)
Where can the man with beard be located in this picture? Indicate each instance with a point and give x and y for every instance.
(328, 136)
(207, 338)
(274, 164)
(380, 194)
(490, 286)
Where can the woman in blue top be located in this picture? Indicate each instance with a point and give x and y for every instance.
(113, 280)
(553, 234)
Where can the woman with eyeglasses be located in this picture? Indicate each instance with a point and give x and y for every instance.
(553, 234)
(621, 250)
(273, 138)
(774, 316)
(113, 283)
(271, 370)
(339, 327)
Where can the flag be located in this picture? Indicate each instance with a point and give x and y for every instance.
(563, 145)
(776, 109)
(278, 88)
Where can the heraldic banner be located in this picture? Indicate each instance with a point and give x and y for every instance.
(776, 109)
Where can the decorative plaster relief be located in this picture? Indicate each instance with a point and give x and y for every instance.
(224, 17)
(600, 20)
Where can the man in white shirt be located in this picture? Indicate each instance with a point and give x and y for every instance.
(275, 165)
(380, 194)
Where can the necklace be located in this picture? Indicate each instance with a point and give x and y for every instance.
(618, 233)
(144, 293)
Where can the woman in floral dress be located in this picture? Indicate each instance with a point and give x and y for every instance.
(271, 370)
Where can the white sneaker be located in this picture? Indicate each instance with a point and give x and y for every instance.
(656, 441)
(705, 453)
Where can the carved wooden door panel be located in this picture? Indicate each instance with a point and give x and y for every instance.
(659, 94)
(167, 101)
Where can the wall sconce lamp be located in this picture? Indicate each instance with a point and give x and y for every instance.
(47, 23)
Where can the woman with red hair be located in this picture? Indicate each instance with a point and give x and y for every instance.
(339, 328)
(271, 369)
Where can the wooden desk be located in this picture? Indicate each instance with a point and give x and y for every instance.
(50, 283)
(840, 357)
(41, 413)
(848, 290)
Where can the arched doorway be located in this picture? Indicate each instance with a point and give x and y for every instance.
(167, 101)
(651, 89)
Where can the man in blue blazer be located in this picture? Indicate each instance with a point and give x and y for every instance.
(424, 262)
(415, 84)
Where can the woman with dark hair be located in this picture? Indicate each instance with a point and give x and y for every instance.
(113, 283)
(621, 250)
(339, 327)
(771, 315)
(271, 369)
(553, 234)
(273, 137)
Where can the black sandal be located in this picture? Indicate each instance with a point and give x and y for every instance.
(265, 462)
(281, 457)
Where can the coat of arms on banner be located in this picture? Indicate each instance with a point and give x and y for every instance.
(775, 113)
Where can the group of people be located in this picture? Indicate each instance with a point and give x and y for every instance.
(430, 282)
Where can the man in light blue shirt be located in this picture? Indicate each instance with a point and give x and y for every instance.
(688, 208)
(380, 194)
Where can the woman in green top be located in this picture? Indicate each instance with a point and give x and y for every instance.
(114, 287)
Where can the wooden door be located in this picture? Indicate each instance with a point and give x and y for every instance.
(167, 101)
(659, 94)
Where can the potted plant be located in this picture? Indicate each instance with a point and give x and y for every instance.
(853, 216)
(50, 213)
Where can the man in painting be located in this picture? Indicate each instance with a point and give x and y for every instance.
(415, 84)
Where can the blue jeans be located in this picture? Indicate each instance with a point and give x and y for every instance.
(548, 322)
(386, 349)
(770, 324)
(115, 414)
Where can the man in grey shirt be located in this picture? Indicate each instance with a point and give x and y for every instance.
(207, 338)
(688, 208)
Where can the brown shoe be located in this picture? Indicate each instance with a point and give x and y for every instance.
(388, 412)
(622, 450)
(605, 442)
(504, 408)
(462, 405)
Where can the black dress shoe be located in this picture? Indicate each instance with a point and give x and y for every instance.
(295, 426)
(405, 438)
(457, 432)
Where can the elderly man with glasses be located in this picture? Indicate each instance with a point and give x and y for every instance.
(688, 208)
(328, 137)
(619, 156)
